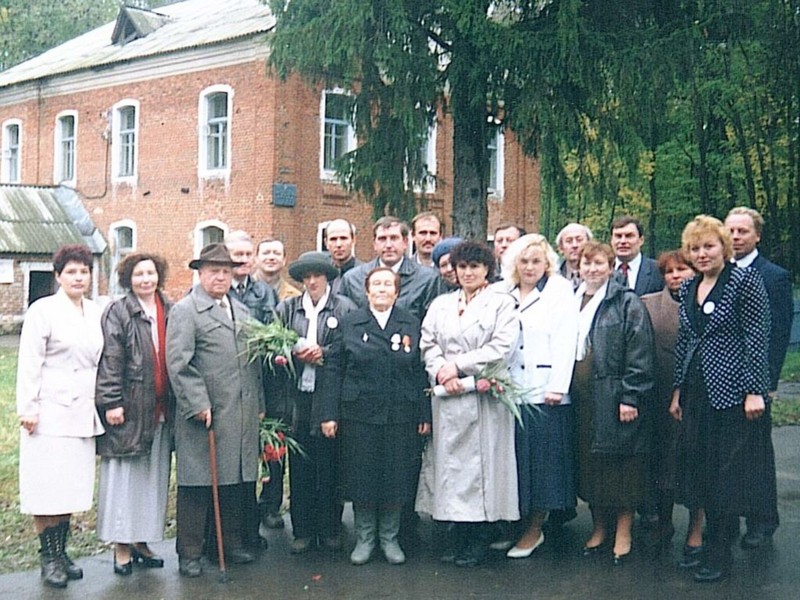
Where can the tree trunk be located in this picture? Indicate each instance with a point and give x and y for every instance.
(470, 156)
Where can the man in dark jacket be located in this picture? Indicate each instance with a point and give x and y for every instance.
(340, 240)
(261, 299)
(638, 272)
(745, 225)
(418, 285)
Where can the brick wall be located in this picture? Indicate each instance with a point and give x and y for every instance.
(275, 138)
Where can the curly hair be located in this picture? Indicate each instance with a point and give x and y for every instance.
(128, 264)
(72, 253)
(467, 252)
(702, 226)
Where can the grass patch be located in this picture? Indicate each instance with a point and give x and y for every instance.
(786, 411)
(791, 367)
(18, 542)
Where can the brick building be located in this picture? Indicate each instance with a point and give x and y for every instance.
(172, 133)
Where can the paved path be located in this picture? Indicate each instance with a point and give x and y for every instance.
(555, 572)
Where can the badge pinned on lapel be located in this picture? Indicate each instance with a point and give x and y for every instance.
(365, 337)
(709, 307)
(332, 323)
(395, 339)
(407, 344)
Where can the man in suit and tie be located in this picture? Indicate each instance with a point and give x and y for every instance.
(640, 272)
(745, 225)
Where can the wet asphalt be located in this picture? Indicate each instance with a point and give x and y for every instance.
(555, 571)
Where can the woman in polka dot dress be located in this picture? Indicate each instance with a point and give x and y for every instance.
(720, 396)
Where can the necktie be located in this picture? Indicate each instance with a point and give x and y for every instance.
(224, 306)
(240, 289)
(623, 268)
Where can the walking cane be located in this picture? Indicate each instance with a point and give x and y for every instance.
(212, 459)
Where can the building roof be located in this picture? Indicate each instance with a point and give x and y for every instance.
(38, 220)
(172, 28)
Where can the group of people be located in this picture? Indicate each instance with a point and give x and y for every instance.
(630, 397)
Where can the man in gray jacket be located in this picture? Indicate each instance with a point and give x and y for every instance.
(215, 386)
(418, 285)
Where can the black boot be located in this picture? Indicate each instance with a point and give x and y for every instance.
(53, 571)
(72, 570)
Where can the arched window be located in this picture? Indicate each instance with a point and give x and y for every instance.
(122, 235)
(125, 140)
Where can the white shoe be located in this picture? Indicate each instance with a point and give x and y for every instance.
(517, 552)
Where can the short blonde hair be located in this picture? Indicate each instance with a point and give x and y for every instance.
(758, 220)
(519, 246)
(705, 225)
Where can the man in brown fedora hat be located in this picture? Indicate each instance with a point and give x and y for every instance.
(214, 385)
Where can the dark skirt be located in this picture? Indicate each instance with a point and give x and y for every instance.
(545, 462)
(380, 463)
(604, 480)
(726, 462)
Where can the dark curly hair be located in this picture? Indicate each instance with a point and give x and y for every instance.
(128, 264)
(467, 252)
(72, 253)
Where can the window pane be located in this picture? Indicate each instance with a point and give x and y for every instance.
(67, 148)
(338, 114)
(217, 128)
(124, 239)
(127, 141)
(212, 235)
(492, 147)
(12, 153)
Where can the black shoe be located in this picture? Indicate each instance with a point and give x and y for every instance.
(692, 556)
(190, 567)
(124, 569)
(273, 521)
(619, 560)
(755, 539)
(332, 542)
(473, 555)
(148, 562)
(708, 574)
(73, 571)
(239, 556)
(300, 545)
(589, 552)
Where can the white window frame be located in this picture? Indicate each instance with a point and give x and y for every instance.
(197, 236)
(5, 164)
(320, 239)
(203, 132)
(117, 142)
(58, 149)
(329, 174)
(429, 186)
(496, 191)
(117, 253)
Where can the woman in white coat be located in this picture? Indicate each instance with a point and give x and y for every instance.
(542, 365)
(59, 351)
(469, 474)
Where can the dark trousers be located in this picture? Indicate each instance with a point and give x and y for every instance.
(271, 498)
(313, 486)
(195, 506)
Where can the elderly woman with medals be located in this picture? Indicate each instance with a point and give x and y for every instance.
(383, 410)
(315, 316)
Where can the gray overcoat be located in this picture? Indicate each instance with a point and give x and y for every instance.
(469, 470)
(208, 368)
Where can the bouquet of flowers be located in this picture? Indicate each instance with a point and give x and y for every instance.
(495, 382)
(277, 440)
(272, 343)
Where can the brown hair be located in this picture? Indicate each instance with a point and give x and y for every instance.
(672, 257)
(626, 220)
(593, 248)
(380, 270)
(128, 264)
(386, 222)
(72, 253)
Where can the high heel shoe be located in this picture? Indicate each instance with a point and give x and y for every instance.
(125, 569)
(516, 552)
(590, 551)
(619, 560)
(148, 562)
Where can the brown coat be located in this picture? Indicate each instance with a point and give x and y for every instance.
(663, 311)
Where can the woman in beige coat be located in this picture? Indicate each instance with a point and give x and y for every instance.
(59, 350)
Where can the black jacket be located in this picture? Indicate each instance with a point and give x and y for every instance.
(383, 379)
(259, 297)
(311, 409)
(623, 359)
(125, 377)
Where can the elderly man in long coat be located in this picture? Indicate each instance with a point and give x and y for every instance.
(215, 386)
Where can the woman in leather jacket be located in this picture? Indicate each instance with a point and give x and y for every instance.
(134, 402)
